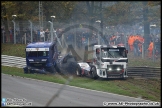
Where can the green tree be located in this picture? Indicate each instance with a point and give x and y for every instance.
(27, 10)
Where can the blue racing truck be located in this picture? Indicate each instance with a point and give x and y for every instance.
(41, 57)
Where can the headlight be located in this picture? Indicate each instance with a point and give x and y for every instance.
(118, 69)
(110, 69)
(31, 60)
(44, 59)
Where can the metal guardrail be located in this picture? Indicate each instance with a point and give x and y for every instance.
(135, 72)
(13, 61)
(144, 72)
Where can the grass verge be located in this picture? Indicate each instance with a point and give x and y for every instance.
(149, 89)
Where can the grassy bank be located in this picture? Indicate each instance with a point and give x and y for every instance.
(144, 88)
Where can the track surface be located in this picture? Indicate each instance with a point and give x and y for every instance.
(40, 92)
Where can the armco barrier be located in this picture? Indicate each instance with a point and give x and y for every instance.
(144, 72)
(13, 61)
(135, 72)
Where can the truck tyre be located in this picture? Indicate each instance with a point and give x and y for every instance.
(25, 70)
(94, 73)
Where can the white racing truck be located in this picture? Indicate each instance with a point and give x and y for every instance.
(108, 62)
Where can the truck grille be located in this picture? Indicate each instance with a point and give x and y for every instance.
(114, 68)
(38, 65)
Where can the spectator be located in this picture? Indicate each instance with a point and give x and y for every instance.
(150, 49)
(46, 35)
(3, 34)
(157, 46)
(42, 35)
(136, 48)
(38, 35)
(11, 34)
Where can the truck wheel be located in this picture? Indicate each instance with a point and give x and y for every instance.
(94, 72)
(25, 70)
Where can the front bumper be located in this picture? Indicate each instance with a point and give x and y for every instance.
(104, 73)
(34, 70)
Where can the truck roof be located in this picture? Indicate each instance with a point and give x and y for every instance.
(39, 45)
(109, 46)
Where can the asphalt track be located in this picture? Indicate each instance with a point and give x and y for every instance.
(40, 92)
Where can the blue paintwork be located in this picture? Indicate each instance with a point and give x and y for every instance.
(50, 61)
(39, 45)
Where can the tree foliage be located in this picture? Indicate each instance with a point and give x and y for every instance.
(120, 12)
(30, 9)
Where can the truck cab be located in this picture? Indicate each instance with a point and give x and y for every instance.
(41, 57)
(110, 61)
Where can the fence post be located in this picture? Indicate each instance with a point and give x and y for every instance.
(142, 52)
(25, 38)
(51, 30)
(57, 37)
(75, 40)
(88, 44)
(125, 41)
(31, 31)
(98, 38)
(14, 32)
(154, 48)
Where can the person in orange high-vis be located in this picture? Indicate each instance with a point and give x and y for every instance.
(128, 42)
(150, 49)
(131, 41)
(141, 39)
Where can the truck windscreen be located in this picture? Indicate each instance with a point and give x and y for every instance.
(113, 53)
(37, 54)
